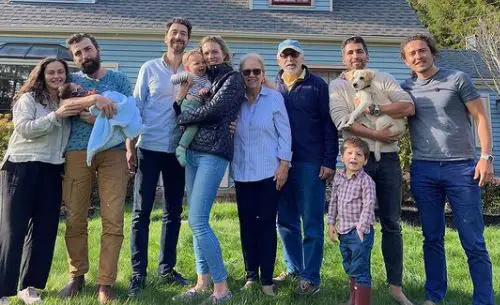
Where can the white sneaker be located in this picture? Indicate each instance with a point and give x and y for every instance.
(29, 296)
(4, 301)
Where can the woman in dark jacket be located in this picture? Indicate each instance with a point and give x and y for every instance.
(207, 160)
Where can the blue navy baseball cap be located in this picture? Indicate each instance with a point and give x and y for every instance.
(290, 44)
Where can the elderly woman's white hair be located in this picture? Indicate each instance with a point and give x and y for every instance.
(260, 60)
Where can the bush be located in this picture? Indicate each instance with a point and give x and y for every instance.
(6, 128)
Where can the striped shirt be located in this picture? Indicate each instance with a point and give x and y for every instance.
(262, 137)
(352, 203)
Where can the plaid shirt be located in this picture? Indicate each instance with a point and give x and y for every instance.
(353, 202)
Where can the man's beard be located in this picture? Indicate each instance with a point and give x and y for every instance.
(91, 66)
(176, 49)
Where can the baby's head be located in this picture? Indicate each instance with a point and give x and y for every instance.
(70, 90)
(193, 62)
(355, 153)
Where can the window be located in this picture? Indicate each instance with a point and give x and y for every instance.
(12, 78)
(292, 2)
(328, 73)
(13, 74)
(485, 98)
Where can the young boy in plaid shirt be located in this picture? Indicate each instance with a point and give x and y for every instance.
(351, 216)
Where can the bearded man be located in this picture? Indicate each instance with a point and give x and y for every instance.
(108, 167)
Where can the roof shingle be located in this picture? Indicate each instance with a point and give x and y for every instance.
(383, 18)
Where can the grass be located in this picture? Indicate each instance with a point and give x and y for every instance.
(225, 223)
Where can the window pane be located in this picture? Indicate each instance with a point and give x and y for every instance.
(12, 78)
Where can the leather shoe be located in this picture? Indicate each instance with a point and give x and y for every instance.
(105, 294)
(74, 286)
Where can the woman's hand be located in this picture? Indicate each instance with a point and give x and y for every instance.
(281, 174)
(106, 105)
(67, 109)
(87, 117)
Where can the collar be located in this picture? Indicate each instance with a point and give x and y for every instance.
(264, 91)
(215, 71)
(354, 175)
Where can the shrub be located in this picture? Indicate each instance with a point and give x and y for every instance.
(6, 128)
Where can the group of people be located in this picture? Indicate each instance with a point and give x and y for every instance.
(282, 141)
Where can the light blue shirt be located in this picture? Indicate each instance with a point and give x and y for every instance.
(155, 96)
(262, 137)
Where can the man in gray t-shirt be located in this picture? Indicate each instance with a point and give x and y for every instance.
(443, 166)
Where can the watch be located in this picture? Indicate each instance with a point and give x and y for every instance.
(487, 158)
(375, 110)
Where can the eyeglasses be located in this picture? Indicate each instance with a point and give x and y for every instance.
(255, 72)
(289, 52)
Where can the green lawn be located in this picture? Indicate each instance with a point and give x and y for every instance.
(225, 223)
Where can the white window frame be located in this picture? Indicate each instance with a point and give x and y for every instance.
(326, 68)
(292, 5)
(485, 99)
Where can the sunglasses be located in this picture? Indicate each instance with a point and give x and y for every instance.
(289, 52)
(255, 72)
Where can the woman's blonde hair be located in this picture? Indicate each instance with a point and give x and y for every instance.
(259, 59)
(220, 41)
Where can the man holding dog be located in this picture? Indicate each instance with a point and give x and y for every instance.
(155, 155)
(315, 149)
(444, 166)
(387, 172)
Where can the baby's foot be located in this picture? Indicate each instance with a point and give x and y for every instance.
(180, 153)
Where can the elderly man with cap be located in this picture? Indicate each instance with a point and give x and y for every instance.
(315, 149)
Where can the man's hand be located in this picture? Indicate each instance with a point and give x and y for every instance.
(325, 173)
(131, 161)
(281, 174)
(483, 172)
(332, 233)
(87, 117)
(385, 135)
(106, 105)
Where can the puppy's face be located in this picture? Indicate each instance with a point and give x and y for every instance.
(360, 79)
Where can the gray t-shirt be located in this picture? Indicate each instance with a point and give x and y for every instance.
(441, 129)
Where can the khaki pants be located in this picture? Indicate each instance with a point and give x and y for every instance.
(111, 169)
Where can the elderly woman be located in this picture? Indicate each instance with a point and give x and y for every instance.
(262, 153)
(207, 159)
(31, 180)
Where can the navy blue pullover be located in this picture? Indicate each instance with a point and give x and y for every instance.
(314, 136)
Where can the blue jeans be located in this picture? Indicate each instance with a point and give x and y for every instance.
(356, 256)
(431, 183)
(204, 173)
(303, 198)
(150, 165)
(387, 176)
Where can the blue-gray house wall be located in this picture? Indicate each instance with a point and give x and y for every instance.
(130, 54)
